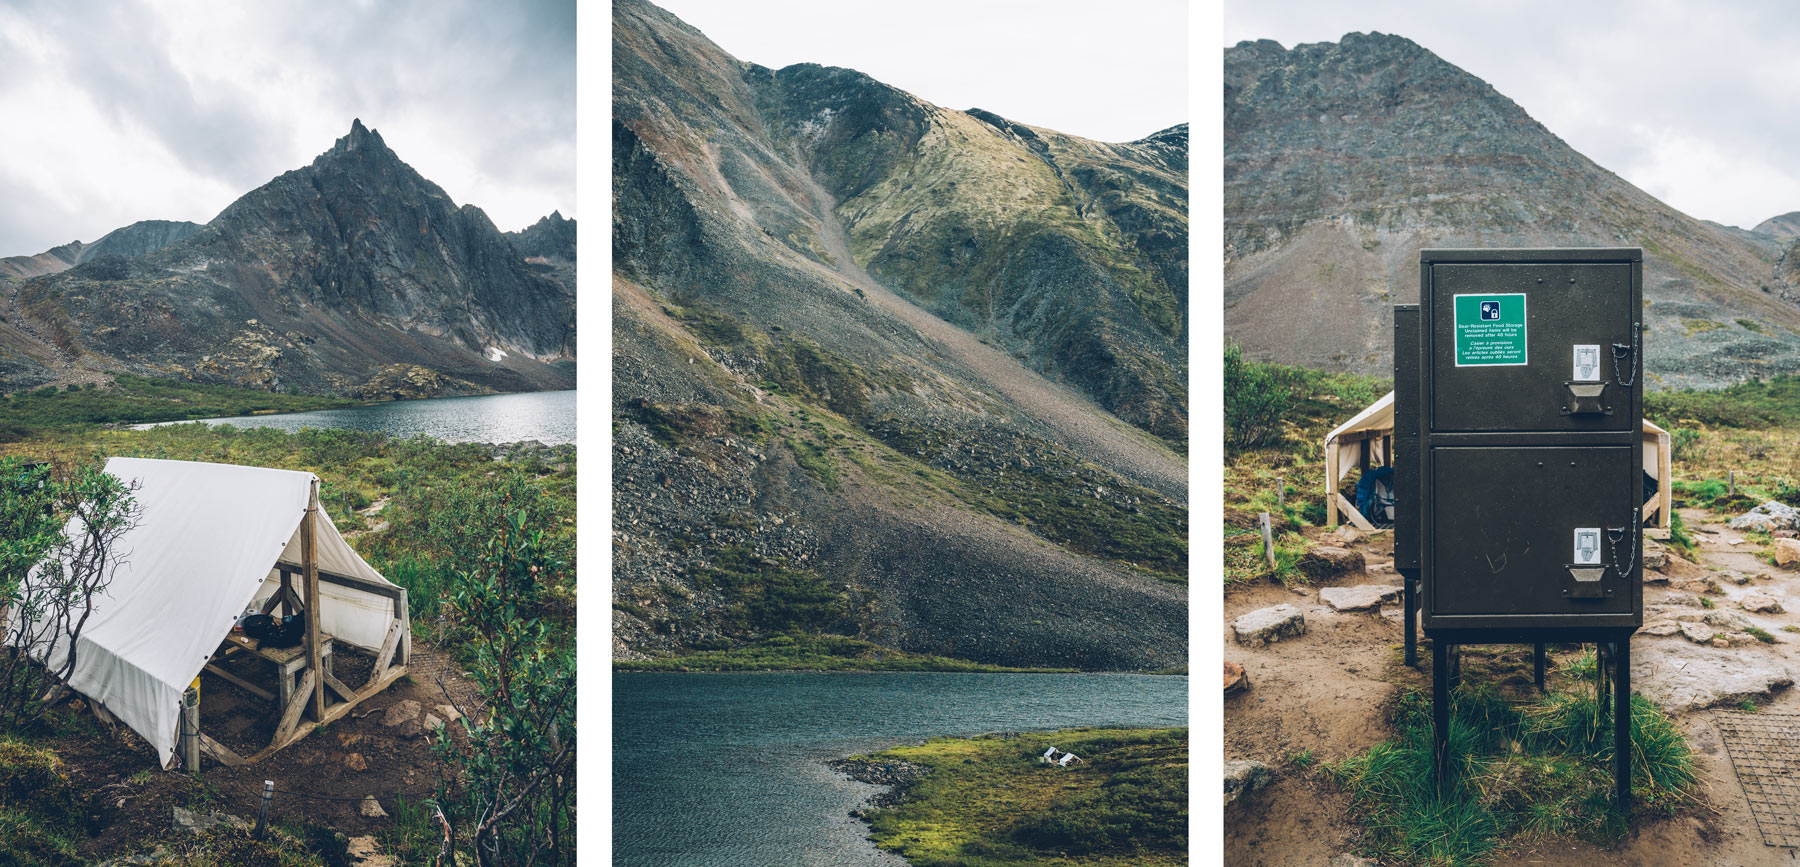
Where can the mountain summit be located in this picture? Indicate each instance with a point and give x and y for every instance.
(1343, 159)
(319, 280)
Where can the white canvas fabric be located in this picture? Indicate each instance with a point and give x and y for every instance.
(206, 539)
(1379, 416)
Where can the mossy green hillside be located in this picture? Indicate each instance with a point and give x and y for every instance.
(802, 652)
(138, 399)
(989, 801)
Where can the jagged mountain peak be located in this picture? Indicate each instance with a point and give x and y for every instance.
(1343, 159)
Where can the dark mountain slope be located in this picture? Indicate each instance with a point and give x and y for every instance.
(803, 444)
(1343, 159)
(328, 278)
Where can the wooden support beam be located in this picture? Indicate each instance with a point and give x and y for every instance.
(309, 552)
(286, 592)
(337, 712)
(1355, 516)
(403, 613)
(339, 687)
(1651, 505)
(296, 707)
(241, 683)
(1665, 482)
(1331, 480)
(377, 588)
(388, 646)
(220, 752)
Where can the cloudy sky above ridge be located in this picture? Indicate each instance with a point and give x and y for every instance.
(1693, 103)
(113, 112)
(1115, 71)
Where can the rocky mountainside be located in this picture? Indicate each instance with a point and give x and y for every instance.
(323, 280)
(137, 239)
(1343, 160)
(1785, 226)
(548, 246)
(889, 370)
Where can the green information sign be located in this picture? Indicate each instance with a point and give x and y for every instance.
(1490, 330)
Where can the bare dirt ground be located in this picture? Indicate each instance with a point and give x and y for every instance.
(1325, 691)
(316, 781)
(1094, 433)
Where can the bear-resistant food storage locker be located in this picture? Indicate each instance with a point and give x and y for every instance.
(1529, 416)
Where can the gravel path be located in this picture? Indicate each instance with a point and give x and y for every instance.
(1093, 432)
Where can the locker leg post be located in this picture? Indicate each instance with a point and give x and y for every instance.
(1409, 604)
(1537, 664)
(1440, 710)
(1455, 667)
(1622, 725)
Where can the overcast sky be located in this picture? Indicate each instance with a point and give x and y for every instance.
(113, 112)
(1695, 103)
(1114, 72)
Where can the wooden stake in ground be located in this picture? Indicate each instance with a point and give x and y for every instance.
(1268, 536)
(1280, 491)
(309, 548)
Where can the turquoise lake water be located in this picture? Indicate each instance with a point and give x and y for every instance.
(545, 416)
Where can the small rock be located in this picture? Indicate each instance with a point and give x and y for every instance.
(1325, 561)
(1786, 534)
(1266, 625)
(1344, 535)
(1655, 561)
(1661, 627)
(432, 722)
(1361, 597)
(365, 851)
(1697, 632)
(1244, 777)
(401, 712)
(1682, 600)
(356, 762)
(201, 822)
(1380, 568)
(1787, 551)
(1728, 620)
(1768, 517)
(1653, 577)
(1349, 860)
(1734, 576)
(1735, 540)
(1703, 584)
(448, 712)
(372, 808)
(1679, 568)
(1235, 678)
(1761, 603)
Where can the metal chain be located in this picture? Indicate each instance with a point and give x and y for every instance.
(1620, 350)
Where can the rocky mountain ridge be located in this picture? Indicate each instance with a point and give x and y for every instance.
(137, 239)
(865, 350)
(1343, 160)
(318, 281)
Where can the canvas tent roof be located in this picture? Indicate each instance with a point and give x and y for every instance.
(1378, 418)
(205, 545)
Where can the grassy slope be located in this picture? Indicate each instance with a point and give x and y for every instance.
(136, 399)
(801, 652)
(989, 801)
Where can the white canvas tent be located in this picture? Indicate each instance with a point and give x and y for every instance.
(212, 540)
(1367, 439)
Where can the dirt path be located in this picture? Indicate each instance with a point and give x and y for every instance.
(1324, 691)
(316, 779)
(1094, 433)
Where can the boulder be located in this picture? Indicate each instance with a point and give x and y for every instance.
(1655, 558)
(1660, 628)
(1344, 535)
(1703, 584)
(1679, 568)
(1235, 678)
(1696, 631)
(1244, 777)
(1734, 577)
(365, 851)
(401, 712)
(1266, 625)
(1361, 597)
(1768, 517)
(1681, 679)
(1728, 620)
(1761, 603)
(1325, 561)
(1787, 551)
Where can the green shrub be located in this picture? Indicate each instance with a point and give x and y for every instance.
(1256, 398)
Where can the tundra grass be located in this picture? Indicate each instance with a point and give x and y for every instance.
(138, 399)
(988, 801)
(1519, 772)
(798, 652)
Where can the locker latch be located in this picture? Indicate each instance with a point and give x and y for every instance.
(1584, 398)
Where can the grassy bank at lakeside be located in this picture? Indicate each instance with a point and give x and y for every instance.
(132, 399)
(801, 652)
(990, 801)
